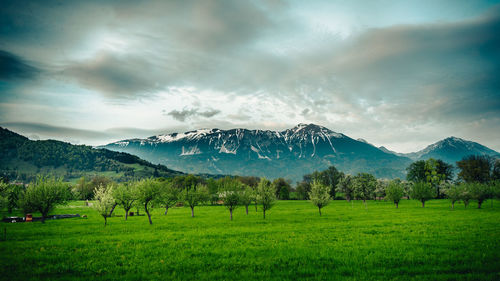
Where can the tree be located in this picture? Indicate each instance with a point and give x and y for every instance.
(104, 201)
(423, 191)
(302, 190)
(346, 186)
(329, 177)
(479, 192)
(250, 181)
(229, 193)
(416, 171)
(475, 168)
(194, 195)
(13, 194)
(496, 189)
(454, 193)
(380, 189)
(213, 190)
(394, 192)
(282, 188)
(444, 169)
(431, 171)
(44, 194)
(147, 193)
(169, 195)
(265, 195)
(184, 181)
(100, 181)
(320, 195)
(364, 186)
(465, 194)
(3, 194)
(495, 173)
(125, 195)
(247, 195)
(84, 190)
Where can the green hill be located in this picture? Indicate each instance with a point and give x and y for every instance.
(22, 159)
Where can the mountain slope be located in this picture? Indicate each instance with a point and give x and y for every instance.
(21, 158)
(290, 153)
(451, 150)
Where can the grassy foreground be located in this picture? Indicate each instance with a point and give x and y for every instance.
(348, 242)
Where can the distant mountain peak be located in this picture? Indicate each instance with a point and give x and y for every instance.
(452, 149)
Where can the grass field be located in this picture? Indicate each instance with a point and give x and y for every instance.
(348, 242)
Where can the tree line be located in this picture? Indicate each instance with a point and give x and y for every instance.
(478, 179)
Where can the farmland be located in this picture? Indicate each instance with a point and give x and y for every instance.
(348, 242)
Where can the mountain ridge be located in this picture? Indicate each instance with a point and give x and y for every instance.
(288, 153)
(23, 159)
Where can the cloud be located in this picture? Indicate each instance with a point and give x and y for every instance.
(189, 113)
(384, 82)
(37, 131)
(57, 132)
(13, 67)
(119, 76)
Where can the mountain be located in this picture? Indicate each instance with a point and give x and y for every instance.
(451, 150)
(290, 153)
(23, 159)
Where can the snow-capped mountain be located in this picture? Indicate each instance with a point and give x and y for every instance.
(451, 150)
(290, 153)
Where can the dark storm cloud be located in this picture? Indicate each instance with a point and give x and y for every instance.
(14, 67)
(185, 114)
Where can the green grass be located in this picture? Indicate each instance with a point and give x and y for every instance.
(348, 242)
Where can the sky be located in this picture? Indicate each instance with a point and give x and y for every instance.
(402, 74)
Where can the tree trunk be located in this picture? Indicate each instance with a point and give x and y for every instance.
(453, 205)
(256, 206)
(479, 203)
(397, 205)
(264, 213)
(112, 209)
(166, 210)
(423, 204)
(43, 218)
(231, 213)
(364, 202)
(319, 211)
(192, 212)
(105, 221)
(147, 212)
(126, 214)
(246, 207)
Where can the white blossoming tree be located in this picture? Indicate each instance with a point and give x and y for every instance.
(104, 201)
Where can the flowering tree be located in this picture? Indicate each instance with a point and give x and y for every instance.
(319, 194)
(104, 201)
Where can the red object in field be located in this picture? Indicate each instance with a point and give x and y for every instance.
(29, 218)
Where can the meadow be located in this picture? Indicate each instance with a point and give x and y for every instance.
(348, 242)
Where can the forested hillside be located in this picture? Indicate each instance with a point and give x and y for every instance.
(21, 159)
